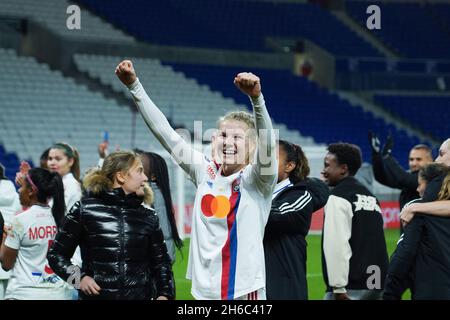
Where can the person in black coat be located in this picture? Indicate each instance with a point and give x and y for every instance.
(295, 199)
(122, 246)
(423, 250)
(429, 205)
(388, 171)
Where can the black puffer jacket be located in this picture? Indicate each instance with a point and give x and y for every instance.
(121, 244)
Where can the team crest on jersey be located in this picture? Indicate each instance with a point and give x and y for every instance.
(237, 184)
(210, 184)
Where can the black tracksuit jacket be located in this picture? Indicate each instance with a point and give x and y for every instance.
(424, 251)
(284, 239)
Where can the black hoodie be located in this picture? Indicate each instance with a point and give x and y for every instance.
(284, 239)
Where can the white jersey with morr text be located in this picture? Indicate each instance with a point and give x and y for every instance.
(33, 232)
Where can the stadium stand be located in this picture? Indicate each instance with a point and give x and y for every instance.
(41, 106)
(303, 105)
(52, 14)
(182, 99)
(416, 110)
(413, 30)
(221, 21)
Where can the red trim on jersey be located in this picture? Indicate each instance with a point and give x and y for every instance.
(229, 250)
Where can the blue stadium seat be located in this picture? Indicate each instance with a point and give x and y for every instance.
(302, 105)
(219, 24)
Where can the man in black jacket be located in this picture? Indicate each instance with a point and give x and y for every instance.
(354, 254)
(388, 171)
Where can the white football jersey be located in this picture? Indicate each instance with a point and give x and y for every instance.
(32, 233)
(226, 256)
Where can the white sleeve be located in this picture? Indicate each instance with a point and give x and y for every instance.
(336, 246)
(265, 170)
(100, 162)
(15, 235)
(8, 193)
(9, 200)
(190, 160)
(72, 194)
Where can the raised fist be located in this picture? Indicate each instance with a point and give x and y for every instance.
(103, 150)
(248, 83)
(23, 171)
(125, 72)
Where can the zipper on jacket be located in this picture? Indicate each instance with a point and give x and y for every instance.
(122, 256)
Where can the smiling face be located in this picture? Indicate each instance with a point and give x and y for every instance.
(134, 179)
(59, 162)
(233, 144)
(418, 158)
(332, 171)
(444, 153)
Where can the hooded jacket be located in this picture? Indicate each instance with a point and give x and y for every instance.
(284, 239)
(122, 246)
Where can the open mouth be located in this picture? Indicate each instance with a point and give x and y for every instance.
(229, 152)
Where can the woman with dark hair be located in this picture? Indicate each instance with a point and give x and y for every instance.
(25, 245)
(43, 159)
(65, 160)
(295, 199)
(155, 168)
(122, 246)
(423, 250)
(9, 206)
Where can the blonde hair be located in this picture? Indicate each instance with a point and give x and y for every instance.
(241, 116)
(249, 120)
(444, 193)
(98, 180)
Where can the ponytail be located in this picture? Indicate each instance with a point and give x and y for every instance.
(56, 188)
(49, 185)
(157, 167)
(75, 169)
(295, 154)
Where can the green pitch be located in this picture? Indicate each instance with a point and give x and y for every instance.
(316, 286)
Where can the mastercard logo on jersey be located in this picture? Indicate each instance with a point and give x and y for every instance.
(215, 206)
